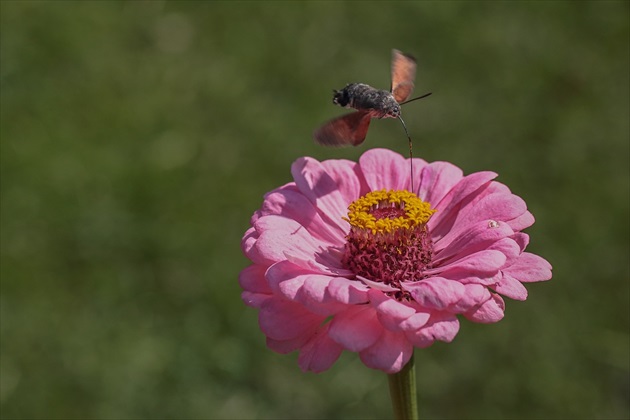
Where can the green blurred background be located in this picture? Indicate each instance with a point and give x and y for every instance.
(139, 137)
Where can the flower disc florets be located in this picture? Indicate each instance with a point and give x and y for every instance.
(388, 240)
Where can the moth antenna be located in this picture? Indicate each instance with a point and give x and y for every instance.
(410, 150)
(416, 98)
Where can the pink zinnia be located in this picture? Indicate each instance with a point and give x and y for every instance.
(345, 257)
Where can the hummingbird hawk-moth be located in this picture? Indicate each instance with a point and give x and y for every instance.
(369, 102)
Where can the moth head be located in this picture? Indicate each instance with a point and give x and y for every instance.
(394, 111)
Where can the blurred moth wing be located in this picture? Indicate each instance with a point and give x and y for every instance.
(403, 75)
(347, 130)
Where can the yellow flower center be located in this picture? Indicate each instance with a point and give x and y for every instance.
(389, 241)
(384, 212)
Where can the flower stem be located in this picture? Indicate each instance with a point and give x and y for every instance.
(402, 390)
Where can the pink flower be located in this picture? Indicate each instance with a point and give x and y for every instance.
(345, 258)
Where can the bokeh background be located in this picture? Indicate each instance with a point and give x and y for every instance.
(139, 137)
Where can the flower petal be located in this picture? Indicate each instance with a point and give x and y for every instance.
(287, 346)
(529, 268)
(509, 248)
(280, 237)
(522, 239)
(348, 176)
(512, 288)
(487, 261)
(255, 300)
(436, 180)
(498, 207)
(321, 189)
(474, 237)
(523, 221)
(475, 295)
(307, 288)
(286, 278)
(284, 320)
(435, 292)
(377, 285)
(357, 328)
(415, 321)
(262, 211)
(347, 291)
(292, 204)
(492, 310)
(313, 295)
(469, 277)
(277, 234)
(390, 353)
(252, 279)
(248, 245)
(442, 326)
(449, 207)
(384, 169)
(320, 352)
(390, 312)
(326, 261)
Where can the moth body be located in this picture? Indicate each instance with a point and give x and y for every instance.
(351, 129)
(377, 102)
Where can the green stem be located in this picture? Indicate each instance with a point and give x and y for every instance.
(402, 390)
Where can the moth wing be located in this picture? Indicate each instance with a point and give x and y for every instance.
(347, 130)
(403, 75)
